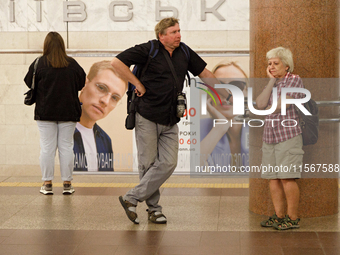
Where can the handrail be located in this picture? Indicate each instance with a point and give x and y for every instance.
(330, 120)
(246, 118)
(328, 103)
(319, 103)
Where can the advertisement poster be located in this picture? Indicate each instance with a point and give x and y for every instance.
(117, 147)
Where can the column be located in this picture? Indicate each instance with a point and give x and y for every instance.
(310, 30)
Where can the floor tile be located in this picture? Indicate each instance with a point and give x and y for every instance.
(329, 235)
(191, 250)
(302, 251)
(95, 249)
(183, 238)
(17, 200)
(279, 235)
(140, 250)
(36, 249)
(193, 201)
(330, 242)
(67, 237)
(332, 251)
(2, 238)
(115, 191)
(235, 192)
(321, 224)
(28, 237)
(302, 243)
(178, 250)
(33, 179)
(33, 236)
(6, 232)
(143, 238)
(219, 250)
(220, 238)
(103, 237)
(191, 192)
(88, 191)
(19, 191)
(248, 250)
(4, 178)
(279, 238)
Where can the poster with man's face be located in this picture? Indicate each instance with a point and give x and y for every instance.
(101, 94)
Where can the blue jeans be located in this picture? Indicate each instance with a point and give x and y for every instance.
(53, 135)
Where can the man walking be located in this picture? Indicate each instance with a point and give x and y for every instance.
(156, 121)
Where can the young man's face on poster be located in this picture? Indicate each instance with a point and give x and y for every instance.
(101, 95)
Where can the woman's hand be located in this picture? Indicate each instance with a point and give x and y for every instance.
(269, 74)
(263, 99)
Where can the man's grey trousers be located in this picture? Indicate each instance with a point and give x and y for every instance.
(157, 147)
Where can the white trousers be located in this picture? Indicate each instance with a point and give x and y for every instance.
(53, 135)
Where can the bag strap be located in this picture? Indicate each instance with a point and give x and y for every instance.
(154, 48)
(172, 69)
(186, 51)
(152, 53)
(34, 71)
(185, 48)
(131, 106)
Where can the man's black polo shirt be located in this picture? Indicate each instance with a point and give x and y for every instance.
(158, 104)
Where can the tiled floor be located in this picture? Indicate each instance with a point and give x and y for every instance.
(200, 221)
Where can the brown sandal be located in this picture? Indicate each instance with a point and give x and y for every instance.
(156, 217)
(130, 210)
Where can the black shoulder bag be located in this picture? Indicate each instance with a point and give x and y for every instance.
(180, 96)
(30, 97)
(309, 123)
(131, 117)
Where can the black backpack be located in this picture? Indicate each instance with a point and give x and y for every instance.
(309, 123)
(139, 71)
